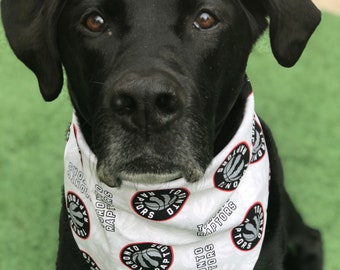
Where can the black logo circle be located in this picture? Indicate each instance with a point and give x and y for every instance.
(78, 215)
(228, 175)
(249, 233)
(258, 141)
(143, 256)
(159, 205)
(90, 261)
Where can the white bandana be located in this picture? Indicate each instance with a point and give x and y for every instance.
(215, 223)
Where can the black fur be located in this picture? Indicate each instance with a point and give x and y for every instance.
(163, 94)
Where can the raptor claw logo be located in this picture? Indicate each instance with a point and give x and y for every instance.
(159, 205)
(78, 215)
(229, 174)
(248, 234)
(145, 256)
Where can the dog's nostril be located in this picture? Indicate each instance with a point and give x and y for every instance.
(167, 103)
(124, 104)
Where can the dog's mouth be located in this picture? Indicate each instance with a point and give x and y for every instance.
(149, 178)
(147, 171)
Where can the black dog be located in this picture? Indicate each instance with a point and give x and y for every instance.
(159, 88)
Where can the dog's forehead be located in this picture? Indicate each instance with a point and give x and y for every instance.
(150, 12)
(163, 4)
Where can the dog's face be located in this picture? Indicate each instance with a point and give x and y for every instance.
(147, 76)
(152, 80)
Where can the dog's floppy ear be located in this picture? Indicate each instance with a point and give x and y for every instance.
(292, 22)
(30, 27)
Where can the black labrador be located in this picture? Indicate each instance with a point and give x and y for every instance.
(164, 80)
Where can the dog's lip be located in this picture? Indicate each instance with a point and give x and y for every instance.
(149, 178)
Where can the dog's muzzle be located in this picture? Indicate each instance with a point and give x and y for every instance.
(150, 123)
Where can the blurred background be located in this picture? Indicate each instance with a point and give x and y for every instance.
(300, 104)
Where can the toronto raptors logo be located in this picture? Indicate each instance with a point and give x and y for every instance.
(229, 174)
(147, 256)
(248, 234)
(258, 141)
(91, 263)
(159, 205)
(78, 215)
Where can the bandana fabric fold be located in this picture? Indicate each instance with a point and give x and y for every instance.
(215, 223)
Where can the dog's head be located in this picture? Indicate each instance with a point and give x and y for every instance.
(152, 80)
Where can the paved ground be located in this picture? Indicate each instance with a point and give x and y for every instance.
(332, 6)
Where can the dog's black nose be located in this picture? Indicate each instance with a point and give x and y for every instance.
(147, 101)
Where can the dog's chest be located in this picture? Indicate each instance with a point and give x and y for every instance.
(215, 223)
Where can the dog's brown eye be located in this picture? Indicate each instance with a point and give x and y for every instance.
(205, 20)
(95, 23)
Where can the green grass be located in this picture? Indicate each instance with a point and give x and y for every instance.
(301, 105)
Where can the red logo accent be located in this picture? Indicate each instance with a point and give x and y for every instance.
(230, 172)
(147, 256)
(249, 233)
(259, 143)
(92, 264)
(78, 215)
(159, 205)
